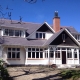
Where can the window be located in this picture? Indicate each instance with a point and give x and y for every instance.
(40, 35)
(13, 53)
(35, 53)
(46, 54)
(10, 32)
(17, 33)
(6, 32)
(57, 54)
(69, 54)
(29, 54)
(75, 53)
(41, 54)
(51, 54)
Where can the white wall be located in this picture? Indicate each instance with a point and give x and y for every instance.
(13, 62)
(48, 35)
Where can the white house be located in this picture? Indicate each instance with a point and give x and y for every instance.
(23, 43)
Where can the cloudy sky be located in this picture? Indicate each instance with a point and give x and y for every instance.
(41, 11)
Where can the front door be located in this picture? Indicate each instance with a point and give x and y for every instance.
(63, 57)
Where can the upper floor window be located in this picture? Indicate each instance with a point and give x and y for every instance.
(40, 35)
(10, 32)
(77, 37)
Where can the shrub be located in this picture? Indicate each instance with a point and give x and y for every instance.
(70, 74)
(3, 71)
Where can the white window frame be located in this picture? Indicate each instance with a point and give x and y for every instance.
(36, 50)
(11, 51)
(69, 53)
(20, 31)
(43, 33)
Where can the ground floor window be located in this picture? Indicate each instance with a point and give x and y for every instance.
(51, 54)
(13, 53)
(46, 54)
(69, 55)
(57, 54)
(35, 53)
(75, 53)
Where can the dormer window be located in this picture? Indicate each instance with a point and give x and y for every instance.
(40, 35)
(10, 32)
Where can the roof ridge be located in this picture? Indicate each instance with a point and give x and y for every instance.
(18, 21)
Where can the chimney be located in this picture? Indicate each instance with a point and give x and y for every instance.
(56, 22)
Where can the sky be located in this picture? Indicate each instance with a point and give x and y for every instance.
(43, 11)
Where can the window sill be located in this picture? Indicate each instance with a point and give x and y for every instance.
(58, 58)
(69, 58)
(35, 59)
(13, 59)
(75, 59)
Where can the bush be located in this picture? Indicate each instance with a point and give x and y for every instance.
(3, 71)
(70, 74)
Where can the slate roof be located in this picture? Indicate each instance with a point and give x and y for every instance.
(30, 27)
(70, 29)
(23, 41)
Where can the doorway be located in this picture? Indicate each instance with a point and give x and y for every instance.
(63, 57)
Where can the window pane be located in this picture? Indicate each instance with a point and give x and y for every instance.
(11, 32)
(37, 54)
(13, 54)
(51, 55)
(58, 55)
(33, 54)
(43, 35)
(37, 49)
(29, 49)
(41, 49)
(75, 55)
(36, 35)
(41, 54)
(9, 49)
(9, 54)
(29, 54)
(13, 49)
(6, 32)
(18, 54)
(33, 49)
(18, 49)
(16, 32)
(40, 35)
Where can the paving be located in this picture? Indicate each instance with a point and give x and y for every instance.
(34, 73)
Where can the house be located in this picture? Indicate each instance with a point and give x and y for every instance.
(24, 43)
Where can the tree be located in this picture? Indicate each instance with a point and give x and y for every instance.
(32, 1)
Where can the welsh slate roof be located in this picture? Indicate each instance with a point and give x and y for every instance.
(30, 28)
(23, 41)
(70, 29)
